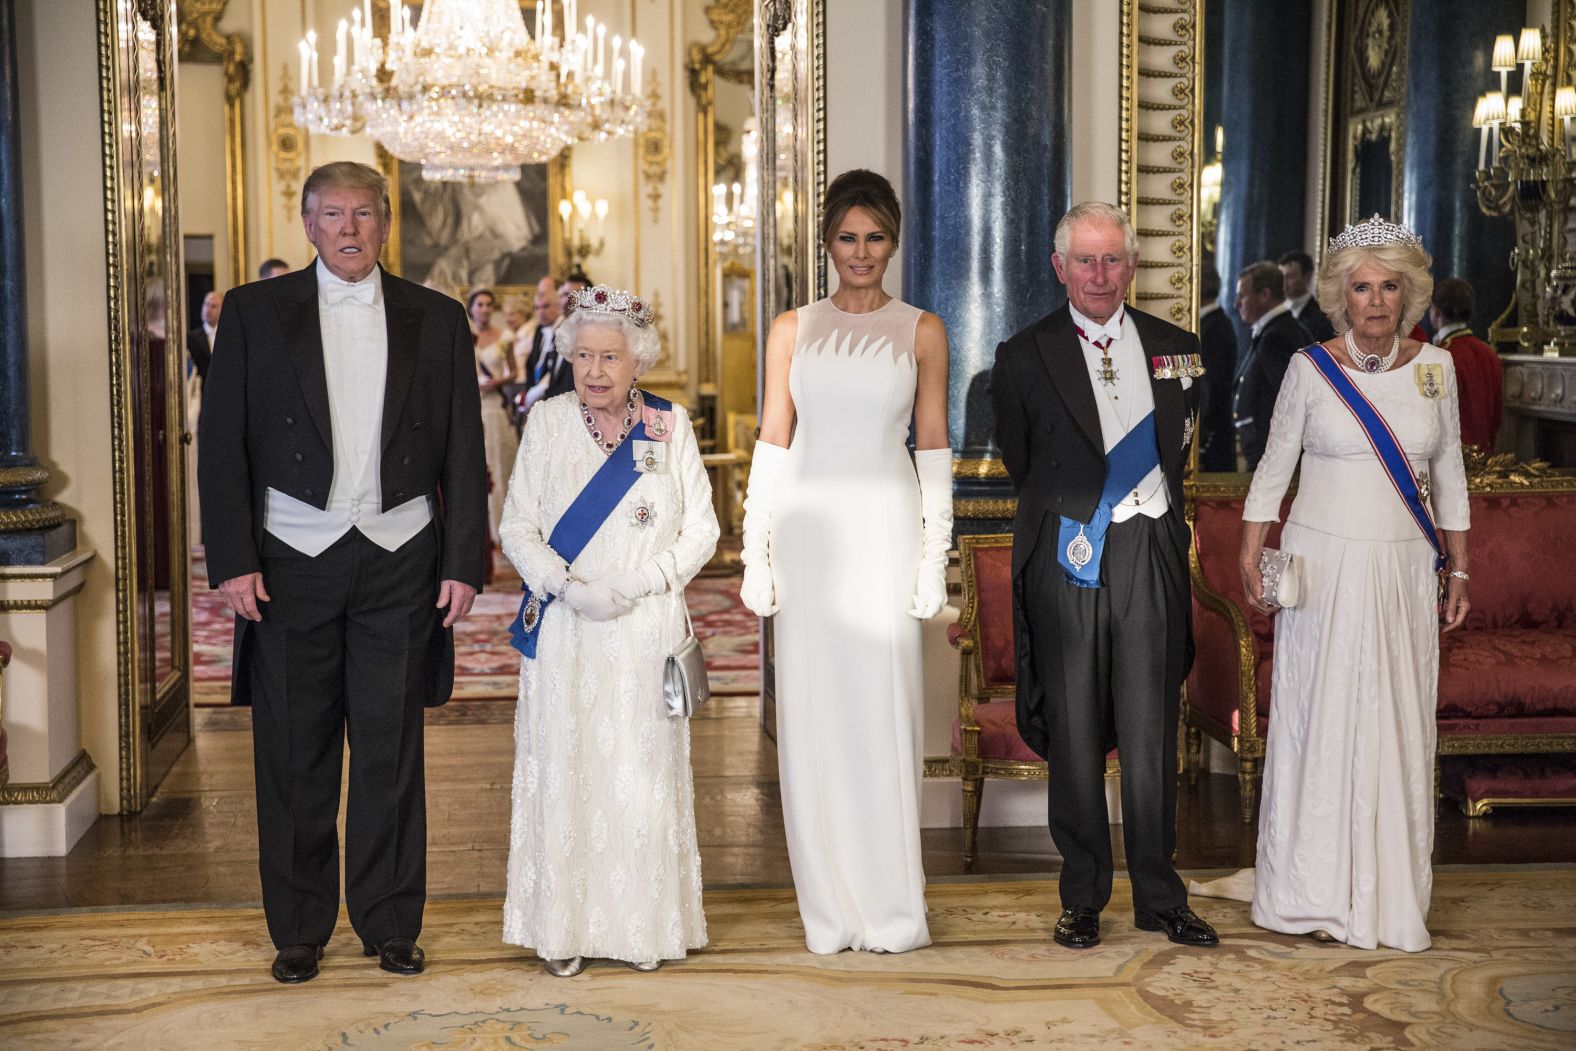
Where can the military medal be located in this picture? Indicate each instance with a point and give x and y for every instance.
(1079, 550)
(657, 426)
(650, 457)
(1177, 366)
(1107, 373)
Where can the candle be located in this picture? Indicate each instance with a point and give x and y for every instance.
(618, 79)
(601, 215)
(366, 16)
(571, 15)
(355, 38)
(618, 47)
(601, 47)
(564, 208)
(537, 36)
(311, 39)
(306, 66)
(637, 54)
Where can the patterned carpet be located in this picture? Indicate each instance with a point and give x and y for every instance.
(1502, 974)
(485, 667)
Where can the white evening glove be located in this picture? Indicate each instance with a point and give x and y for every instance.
(934, 467)
(758, 592)
(594, 600)
(637, 583)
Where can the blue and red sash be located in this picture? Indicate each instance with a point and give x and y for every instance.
(580, 522)
(1385, 445)
(1080, 545)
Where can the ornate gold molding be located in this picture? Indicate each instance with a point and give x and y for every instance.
(200, 40)
(20, 477)
(1160, 137)
(984, 508)
(43, 516)
(287, 143)
(654, 147)
(56, 790)
(37, 605)
(982, 468)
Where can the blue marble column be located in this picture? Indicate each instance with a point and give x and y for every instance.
(1264, 62)
(986, 176)
(30, 532)
(1447, 68)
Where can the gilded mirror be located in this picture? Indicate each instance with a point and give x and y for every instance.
(147, 368)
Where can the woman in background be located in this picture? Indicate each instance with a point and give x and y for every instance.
(494, 368)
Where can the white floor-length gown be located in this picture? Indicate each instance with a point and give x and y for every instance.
(1346, 826)
(845, 549)
(498, 438)
(603, 859)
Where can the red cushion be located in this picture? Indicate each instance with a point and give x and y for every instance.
(993, 592)
(1507, 672)
(998, 723)
(1508, 777)
(1520, 578)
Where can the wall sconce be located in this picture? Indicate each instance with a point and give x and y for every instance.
(575, 213)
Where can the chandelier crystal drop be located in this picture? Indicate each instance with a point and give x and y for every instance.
(470, 94)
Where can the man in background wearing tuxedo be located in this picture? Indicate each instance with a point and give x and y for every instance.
(344, 508)
(1261, 302)
(1297, 271)
(547, 372)
(1094, 398)
(199, 339)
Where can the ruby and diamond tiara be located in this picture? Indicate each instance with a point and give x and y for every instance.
(605, 300)
(1372, 232)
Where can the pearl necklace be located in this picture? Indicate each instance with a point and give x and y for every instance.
(596, 432)
(1372, 363)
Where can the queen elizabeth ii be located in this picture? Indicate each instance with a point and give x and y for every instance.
(608, 516)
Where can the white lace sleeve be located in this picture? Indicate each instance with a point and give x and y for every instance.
(1445, 469)
(697, 539)
(1284, 447)
(521, 531)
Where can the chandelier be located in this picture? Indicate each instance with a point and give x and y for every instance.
(468, 93)
(733, 220)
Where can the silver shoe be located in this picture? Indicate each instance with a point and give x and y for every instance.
(565, 968)
(646, 966)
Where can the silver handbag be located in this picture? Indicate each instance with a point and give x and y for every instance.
(684, 685)
(1281, 572)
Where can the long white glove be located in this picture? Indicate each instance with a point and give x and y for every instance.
(758, 592)
(637, 583)
(934, 467)
(593, 600)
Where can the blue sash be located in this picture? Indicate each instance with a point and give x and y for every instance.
(1081, 544)
(1385, 444)
(579, 524)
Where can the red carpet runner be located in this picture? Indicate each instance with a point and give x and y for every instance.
(486, 669)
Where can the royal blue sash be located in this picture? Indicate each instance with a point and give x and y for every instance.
(1080, 545)
(1385, 444)
(579, 524)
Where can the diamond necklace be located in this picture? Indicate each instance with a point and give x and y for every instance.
(1372, 363)
(596, 432)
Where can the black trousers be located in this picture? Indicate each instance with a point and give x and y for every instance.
(339, 650)
(1112, 664)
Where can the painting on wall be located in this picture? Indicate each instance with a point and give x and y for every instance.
(455, 236)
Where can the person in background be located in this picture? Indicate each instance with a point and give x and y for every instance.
(566, 291)
(272, 268)
(199, 341)
(1297, 269)
(1478, 372)
(546, 371)
(1217, 450)
(1261, 302)
(494, 369)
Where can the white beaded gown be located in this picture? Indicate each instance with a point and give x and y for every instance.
(845, 549)
(1346, 827)
(603, 859)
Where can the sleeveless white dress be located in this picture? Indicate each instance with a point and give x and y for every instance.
(845, 549)
(1346, 826)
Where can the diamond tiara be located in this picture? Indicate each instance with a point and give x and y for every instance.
(605, 300)
(1375, 231)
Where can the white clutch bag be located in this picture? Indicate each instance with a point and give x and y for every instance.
(1281, 572)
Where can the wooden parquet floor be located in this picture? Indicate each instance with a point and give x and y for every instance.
(196, 841)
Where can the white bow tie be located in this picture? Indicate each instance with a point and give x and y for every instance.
(362, 292)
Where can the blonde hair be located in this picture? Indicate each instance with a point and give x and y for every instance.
(1411, 262)
(1096, 211)
(345, 175)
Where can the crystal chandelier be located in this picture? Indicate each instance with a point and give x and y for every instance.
(468, 93)
(733, 221)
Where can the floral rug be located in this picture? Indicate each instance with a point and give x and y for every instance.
(1501, 974)
(485, 666)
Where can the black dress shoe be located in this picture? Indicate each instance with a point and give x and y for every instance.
(397, 955)
(297, 963)
(1181, 925)
(1078, 928)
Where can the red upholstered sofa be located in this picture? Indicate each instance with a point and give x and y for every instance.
(985, 741)
(1507, 678)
